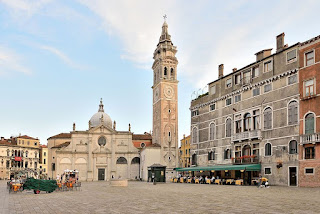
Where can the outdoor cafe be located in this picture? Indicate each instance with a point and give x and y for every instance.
(220, 174)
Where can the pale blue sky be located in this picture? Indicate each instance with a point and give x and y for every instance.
(58, 58)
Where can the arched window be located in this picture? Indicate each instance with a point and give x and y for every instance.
(211, 155)
(194, 159)
(267, 118)
(293, 113)
(8, 152)
(227, 154)
(309, 124)
(194, 135)
(122, 160)
(35, 154)
(212, 131)
(247, 122)
(246, 151)
(135, 160)
(293, 147)
(165, 71)
(267, 149)
(228, 127)
(172, 73)
(102, 141)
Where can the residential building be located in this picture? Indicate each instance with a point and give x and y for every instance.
(249, 119)
(184, 152)
(309, 78)
(43, 164)
(16, 156)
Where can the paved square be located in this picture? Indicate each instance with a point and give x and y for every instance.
(141, 197)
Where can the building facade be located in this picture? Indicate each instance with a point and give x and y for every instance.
(309, 76)
(165, 101)
(19, 154)
(184, 152)
(250, 116)
(99, 153)
(43, 161)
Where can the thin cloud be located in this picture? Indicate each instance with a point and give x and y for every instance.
(62, 56)
(11, 62)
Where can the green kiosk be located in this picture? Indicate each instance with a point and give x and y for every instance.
(157, 172)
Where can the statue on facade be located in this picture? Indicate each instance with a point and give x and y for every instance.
(114, 125)
(129, 127)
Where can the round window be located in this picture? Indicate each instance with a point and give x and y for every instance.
(102, 141)
(142, 145)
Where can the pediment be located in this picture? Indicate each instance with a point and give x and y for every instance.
(102, 129)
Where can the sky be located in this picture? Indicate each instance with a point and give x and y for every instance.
(58, 58)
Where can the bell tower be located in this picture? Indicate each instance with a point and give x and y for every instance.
(165, 100)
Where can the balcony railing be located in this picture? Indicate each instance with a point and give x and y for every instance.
(310, 138)
(246, 159)
(246, 135)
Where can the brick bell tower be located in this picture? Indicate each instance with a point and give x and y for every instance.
(165, 101)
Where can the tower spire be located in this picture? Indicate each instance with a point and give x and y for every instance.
(101, 106)
(164, 34)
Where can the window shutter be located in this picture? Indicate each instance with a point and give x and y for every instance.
(290, 114)
(295, 113)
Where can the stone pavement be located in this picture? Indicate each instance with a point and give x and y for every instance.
(141, 197)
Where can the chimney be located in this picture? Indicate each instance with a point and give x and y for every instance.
(2, 138)
(263, 54)
(234, 69)
(280, 42)
(221, 70)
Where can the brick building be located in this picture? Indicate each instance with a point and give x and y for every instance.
(309, 87)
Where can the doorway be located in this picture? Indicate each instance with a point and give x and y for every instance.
(101, 174)
(292, 176)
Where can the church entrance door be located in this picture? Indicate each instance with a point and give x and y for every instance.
(101, 174)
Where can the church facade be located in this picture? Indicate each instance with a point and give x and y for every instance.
(99, 153)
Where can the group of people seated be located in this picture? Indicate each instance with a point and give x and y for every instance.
(196, 179)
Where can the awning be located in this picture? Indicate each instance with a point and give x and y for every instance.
(247, 167)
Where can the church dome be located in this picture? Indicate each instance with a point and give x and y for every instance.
(100, 118)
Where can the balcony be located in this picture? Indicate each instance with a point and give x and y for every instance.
(253, 159)
(248, 135)
(310, 138)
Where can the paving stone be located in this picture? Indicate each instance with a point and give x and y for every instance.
(141, 197)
